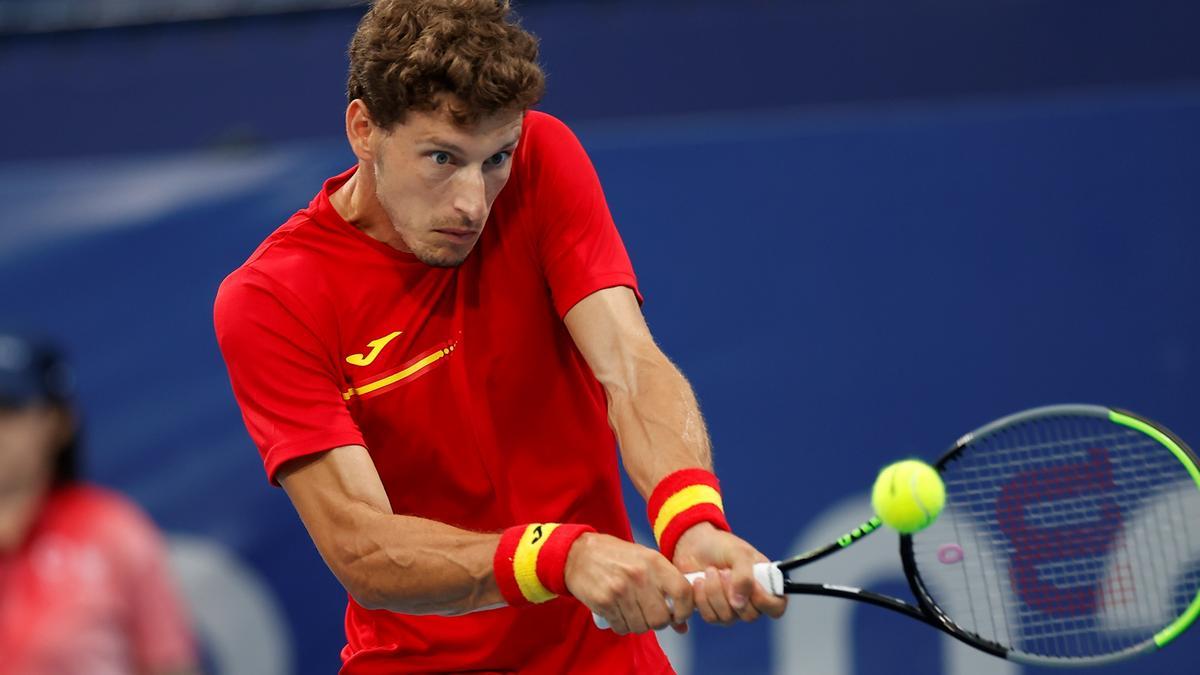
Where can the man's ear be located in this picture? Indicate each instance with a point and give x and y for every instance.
(360, 130)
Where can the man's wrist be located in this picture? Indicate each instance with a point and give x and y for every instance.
(681, 501)
(576, 555)
(687, 541)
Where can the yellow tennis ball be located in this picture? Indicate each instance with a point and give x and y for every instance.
(908, 495)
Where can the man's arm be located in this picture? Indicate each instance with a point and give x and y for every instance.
(418, 566)
(651, 406)
(387, 561)
(657, 421)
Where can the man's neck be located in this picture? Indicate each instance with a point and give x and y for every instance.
(356, 203)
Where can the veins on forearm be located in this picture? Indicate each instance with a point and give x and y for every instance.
(451, 576)
(657, 421)
(414, 566)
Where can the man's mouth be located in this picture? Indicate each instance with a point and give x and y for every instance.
(457, 234)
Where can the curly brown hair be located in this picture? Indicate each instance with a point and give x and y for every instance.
(471, 56)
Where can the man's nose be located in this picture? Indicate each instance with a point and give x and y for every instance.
(470, 197)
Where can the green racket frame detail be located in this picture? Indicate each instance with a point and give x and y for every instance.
(1166, 635)
(927, 610)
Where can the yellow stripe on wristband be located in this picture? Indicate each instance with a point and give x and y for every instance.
(525, 562)
(683, 500)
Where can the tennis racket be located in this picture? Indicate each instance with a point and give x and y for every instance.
(1070, 537)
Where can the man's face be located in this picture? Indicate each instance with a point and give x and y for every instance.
(436, 181)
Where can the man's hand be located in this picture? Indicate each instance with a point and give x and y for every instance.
(627, 584)
(728, 591)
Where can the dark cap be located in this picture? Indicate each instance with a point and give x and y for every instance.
(32, 371)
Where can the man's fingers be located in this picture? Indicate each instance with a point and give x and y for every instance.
(718, 596)
(742, 586)
(763, 600)
(634, 588)
(768, 603)
(644, 591)
(616, 621)
(738, 604)
(654, 608)
(701, 601)
(679, 590)
(634, 621)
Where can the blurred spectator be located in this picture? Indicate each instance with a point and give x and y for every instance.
(84, 584)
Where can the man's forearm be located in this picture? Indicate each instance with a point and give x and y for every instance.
(387, 561)
(413, 565)
(657, 422)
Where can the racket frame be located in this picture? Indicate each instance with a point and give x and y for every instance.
(927, 611)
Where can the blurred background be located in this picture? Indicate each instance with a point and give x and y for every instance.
(914, 215)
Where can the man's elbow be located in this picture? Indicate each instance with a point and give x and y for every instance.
(368, 596)
(360, 584)
(354, 559)
(366, 589)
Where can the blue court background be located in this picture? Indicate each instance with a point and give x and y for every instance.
(861, 229)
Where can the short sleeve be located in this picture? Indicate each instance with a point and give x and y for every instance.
(284, 381)
(576, 241)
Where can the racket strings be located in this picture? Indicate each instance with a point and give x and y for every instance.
(1064, 537)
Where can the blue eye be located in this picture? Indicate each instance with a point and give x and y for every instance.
(440, 157)
(499, 158)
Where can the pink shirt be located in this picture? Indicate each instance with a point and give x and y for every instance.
(89, 592)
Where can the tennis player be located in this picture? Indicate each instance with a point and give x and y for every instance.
(433, 358)
(84, 583)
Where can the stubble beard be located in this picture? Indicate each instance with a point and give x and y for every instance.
(433, 256)
(440, 258)
(429, 255)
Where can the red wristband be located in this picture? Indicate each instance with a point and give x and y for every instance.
(552, 559)
(681, 500)
(502, 566)
(530, 561)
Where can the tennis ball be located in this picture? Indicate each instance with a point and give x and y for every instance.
(908, 495)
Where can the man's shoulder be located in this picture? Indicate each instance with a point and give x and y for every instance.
(291, 258)
(536, 119)
(298, 243)
(549, 149)
(542, 130)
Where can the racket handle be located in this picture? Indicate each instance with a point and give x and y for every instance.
(766, 574)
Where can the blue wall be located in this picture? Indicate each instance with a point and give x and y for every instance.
(844, 283)
(255, 79)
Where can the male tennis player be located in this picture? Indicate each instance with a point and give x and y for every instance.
(433, 358)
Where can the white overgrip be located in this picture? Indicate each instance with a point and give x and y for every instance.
(768, 575)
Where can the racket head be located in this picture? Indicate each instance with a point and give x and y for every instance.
(1070, 537)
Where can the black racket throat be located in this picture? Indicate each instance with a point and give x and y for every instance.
(933, 614)
(851, 593)
(925, 611)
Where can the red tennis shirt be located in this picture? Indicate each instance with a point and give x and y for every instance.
(462, 383)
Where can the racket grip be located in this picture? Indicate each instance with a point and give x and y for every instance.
(766, 574)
